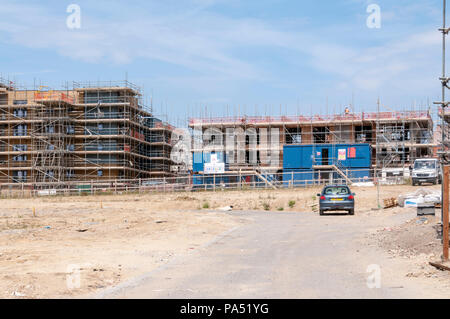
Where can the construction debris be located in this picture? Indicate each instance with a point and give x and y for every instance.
(390, 202)
(440, 266)
(414, 202)
(425, 209)
(364, 184)
(226, 209)
(422, 195)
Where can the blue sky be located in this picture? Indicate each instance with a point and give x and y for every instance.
(231, 56)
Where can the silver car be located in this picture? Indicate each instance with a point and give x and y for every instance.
(337, 198)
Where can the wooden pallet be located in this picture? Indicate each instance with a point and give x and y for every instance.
(390, 202)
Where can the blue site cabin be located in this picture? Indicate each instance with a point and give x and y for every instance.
(304, 163)
(200, 177)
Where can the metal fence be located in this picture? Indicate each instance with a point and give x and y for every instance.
(197, 183)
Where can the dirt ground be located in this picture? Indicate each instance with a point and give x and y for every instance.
(110, 239)
(417, 241)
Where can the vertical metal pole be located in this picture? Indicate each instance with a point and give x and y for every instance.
(292, 179)
(445, 206)
(240, 179)
(376, 159)
(443, 105)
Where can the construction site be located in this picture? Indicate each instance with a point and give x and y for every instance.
(101, 135)
(104, 197)
(90, 132)
(320, 146)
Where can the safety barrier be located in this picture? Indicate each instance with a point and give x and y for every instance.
(194, 183)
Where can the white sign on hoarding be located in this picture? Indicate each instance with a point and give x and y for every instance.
(342, 154)
(214, 168)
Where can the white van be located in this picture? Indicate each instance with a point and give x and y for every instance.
(426, 170)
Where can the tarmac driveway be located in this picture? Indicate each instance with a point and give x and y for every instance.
(283, 255)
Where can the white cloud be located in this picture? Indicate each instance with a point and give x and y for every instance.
(212, 44)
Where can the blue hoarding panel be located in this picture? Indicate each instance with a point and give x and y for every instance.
(356, 175)
(199, 159)
(305, 156)
(292, 157)
(297, 156)
(353, 155)
(197, 162)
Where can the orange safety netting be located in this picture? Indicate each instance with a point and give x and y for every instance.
(315, 118)
(53, 96)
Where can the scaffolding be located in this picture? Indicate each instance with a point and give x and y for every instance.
(443, 112)
(397, 137)
(50, 137)
(93, 131)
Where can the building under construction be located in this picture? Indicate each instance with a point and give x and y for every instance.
(396, 138)
(90, 132)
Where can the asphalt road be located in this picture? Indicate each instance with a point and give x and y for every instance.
(282, 255)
